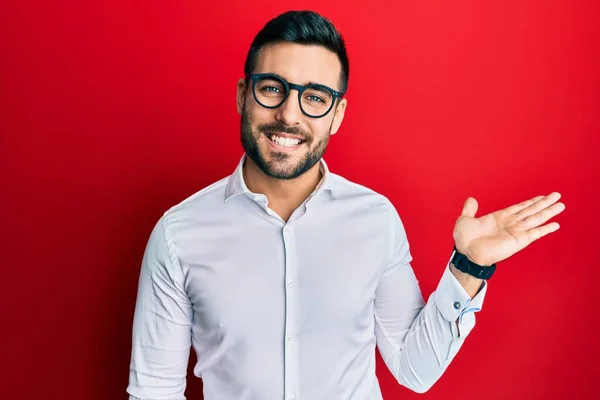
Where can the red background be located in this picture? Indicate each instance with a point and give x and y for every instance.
(111, 112)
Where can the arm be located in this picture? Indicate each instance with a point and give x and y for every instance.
(418, 341)
(162, 324)
(417, 344)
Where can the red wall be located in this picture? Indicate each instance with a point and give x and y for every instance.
(112, 112)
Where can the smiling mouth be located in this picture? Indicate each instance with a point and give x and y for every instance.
(284, 141)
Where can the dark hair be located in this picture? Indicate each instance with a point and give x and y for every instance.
(303, 27)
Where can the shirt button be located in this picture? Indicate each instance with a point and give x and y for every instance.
(292, 397)
(290, 339)
(291, 284)
(456, 305)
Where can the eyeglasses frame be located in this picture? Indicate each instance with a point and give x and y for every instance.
(299, 88)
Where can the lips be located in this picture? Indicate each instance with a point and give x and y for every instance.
(270, 135)
(285, 140)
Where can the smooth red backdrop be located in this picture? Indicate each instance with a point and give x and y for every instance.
(111, 112)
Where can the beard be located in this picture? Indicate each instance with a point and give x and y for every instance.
(276, 167)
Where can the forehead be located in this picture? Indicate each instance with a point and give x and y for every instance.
(299, 63)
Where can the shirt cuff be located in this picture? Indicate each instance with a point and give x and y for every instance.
(452, 299)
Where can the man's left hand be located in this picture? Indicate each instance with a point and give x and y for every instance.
(497, 236)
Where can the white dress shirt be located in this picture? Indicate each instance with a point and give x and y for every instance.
(289, 311)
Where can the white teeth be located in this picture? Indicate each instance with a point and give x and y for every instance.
(286, 142)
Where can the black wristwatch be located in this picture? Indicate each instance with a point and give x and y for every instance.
(462, 263)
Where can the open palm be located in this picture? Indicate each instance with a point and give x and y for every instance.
(496, 236)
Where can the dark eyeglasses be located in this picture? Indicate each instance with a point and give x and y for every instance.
(271, 91)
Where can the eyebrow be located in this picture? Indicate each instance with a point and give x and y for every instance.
(320, 89)
(302, 84)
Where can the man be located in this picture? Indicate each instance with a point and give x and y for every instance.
(285, 277)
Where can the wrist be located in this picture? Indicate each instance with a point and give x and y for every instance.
(471, 284)
(471, 266)
(471, 257)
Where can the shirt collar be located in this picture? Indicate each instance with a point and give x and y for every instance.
(237, 186)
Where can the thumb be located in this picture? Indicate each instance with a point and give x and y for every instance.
(470, 208)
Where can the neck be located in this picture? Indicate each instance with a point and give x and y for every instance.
(284, 195)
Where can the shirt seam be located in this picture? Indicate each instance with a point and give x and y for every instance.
(392, 236)
(171, 245)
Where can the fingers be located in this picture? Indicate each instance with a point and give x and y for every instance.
(537, 206)
(523, 205)
(541, 217)
(541, 231)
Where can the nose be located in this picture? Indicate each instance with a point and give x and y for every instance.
(289, 112)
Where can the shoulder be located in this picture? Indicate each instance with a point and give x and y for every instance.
(348, 190)
(197, 207)
(377, 206)
(209, 195)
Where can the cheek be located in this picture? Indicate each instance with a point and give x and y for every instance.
(319, 128)
(259, 115)
(252, 120)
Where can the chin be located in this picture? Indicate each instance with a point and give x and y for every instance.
(279, 169)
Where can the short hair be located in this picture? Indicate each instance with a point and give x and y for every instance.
(303, 27)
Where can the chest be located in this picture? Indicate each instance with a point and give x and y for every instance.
(265, 275)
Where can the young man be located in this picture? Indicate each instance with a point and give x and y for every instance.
(284, 276)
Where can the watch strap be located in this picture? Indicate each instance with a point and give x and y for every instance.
(462, 263)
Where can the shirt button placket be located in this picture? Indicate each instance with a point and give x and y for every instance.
(291, 302)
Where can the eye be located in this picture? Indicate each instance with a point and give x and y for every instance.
(314, 98)
(317, 96)
(271, 89)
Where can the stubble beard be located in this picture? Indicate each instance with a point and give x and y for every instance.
(270, 168)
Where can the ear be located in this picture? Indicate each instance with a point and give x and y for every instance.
(241, 95)
(338, 117)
